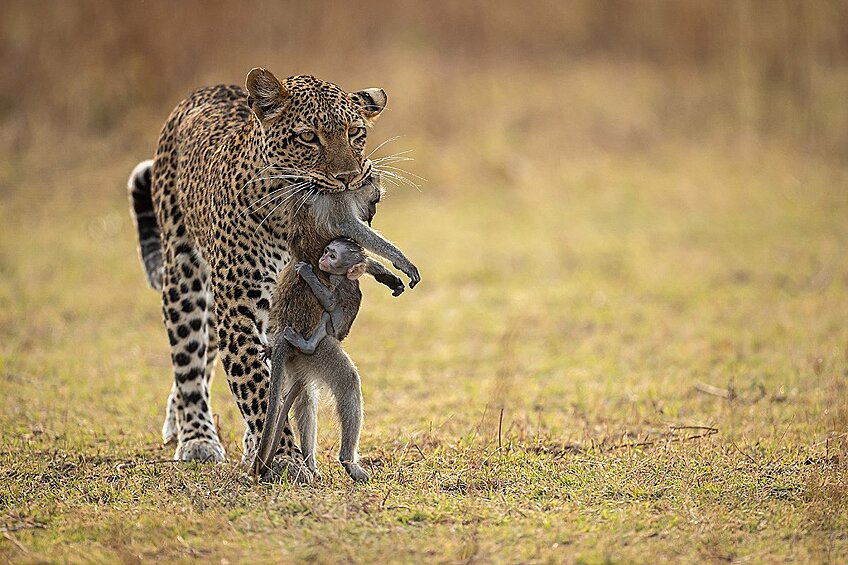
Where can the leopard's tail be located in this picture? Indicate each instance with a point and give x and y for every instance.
(141, 208)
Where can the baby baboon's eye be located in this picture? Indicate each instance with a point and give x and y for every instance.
(307, 137)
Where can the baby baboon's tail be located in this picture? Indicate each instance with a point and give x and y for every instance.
(141, 208)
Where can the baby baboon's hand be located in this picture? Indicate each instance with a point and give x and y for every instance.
(391, 281)
(302, 266)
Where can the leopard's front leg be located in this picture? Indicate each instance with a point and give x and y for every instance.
(185, 304)
(242, 302)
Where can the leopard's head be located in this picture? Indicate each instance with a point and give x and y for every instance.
(314, 131)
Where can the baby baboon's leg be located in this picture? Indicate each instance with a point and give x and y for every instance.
(306, 416)
(308, 346)
(339, 373)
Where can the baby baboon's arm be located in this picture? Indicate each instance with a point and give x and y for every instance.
(361, 233)
(383, 275)
(324, 295)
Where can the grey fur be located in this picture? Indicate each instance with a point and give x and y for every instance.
(293, 375)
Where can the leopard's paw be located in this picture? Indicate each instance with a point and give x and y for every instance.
(169, 429)
(203, 450)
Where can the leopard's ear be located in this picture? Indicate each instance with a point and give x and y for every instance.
(371, 102)
(267, 96)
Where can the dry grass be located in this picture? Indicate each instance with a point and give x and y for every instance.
(614, 263)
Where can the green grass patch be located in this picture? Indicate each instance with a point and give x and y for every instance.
(545, 395)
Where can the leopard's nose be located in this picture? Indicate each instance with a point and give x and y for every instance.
(347, 177)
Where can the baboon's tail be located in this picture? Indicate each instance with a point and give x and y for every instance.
(141, 208)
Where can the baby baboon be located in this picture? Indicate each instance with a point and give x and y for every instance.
(299, 308)
(345, 261)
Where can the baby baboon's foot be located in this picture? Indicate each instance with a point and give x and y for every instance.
(292, 336)
(357, 473)
(204, 450)
(297, 340)
(285, 468)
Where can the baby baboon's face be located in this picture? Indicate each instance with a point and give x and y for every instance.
(337, 259)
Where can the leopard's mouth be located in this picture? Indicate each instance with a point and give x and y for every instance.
(371, 177)
(325, 187)
(366, 181)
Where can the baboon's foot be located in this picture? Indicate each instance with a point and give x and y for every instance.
(316, 474)
(357, 473)
(204, 450)
(286, 469)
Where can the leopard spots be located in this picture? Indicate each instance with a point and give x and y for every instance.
(214, 233)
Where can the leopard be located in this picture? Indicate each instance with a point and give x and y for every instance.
(213, 235)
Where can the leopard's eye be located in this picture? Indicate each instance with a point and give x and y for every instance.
(308, 136)
(356, 132)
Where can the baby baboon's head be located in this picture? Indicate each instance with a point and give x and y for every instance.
(343, 256)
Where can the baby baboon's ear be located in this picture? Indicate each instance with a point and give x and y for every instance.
(371, 102)
(356, 271)
(267, 96)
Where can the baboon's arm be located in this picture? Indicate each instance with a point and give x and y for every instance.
(361, 233)
(308, 346)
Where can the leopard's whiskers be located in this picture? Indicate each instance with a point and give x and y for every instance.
(393, 174)
(259, 174)
(392, 156)
(302, 202)
(391, 139)
(272, 195)
(295, 174)
(389, 180)
(306, 188)
(385, 160)
(399, 170)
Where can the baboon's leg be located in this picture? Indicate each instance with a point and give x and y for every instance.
(306, 416)
(337, 370)
(285, 385)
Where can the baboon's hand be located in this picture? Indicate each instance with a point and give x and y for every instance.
(302, 266)
(410, 270)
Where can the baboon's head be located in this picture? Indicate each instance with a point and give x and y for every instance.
(343, 256)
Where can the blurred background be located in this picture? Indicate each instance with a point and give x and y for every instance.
(634, 217)
(623, 198)
(537, 80)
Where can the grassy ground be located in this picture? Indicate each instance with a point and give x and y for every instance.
(626, 354)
